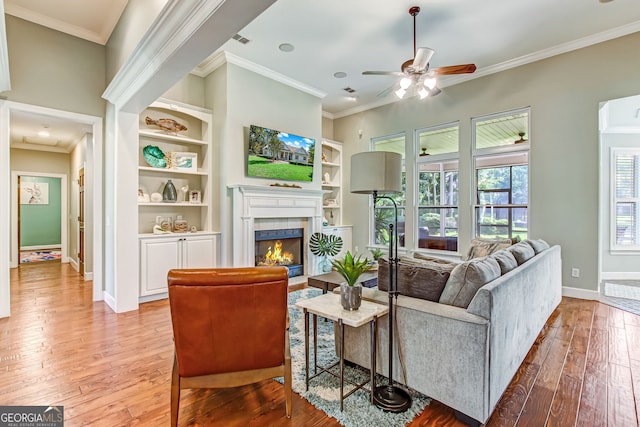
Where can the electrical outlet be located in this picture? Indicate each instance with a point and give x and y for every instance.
(575, 272)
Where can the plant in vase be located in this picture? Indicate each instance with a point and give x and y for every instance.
(325, 245)
(351, 268)
(376, 253)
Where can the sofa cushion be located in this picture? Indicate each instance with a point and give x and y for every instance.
(506, 261)
(522, 252)
(538, 245)
(416, 278)
(484, 247)
(420, 256)
(467, 278)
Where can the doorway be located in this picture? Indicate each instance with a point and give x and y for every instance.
(40, 218)
(93, 159)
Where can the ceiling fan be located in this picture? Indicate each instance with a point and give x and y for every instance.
(416, 71)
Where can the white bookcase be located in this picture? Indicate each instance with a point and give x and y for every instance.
(332, 181)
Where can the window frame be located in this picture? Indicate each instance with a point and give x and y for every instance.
(441, 160)
(523, 148)
(401, 208)
(614, 200)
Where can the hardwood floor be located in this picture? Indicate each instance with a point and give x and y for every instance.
(108, 369)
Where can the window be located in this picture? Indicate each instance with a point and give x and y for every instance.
(626, 204)
(383, 212)
(501, 161)
(437, 165)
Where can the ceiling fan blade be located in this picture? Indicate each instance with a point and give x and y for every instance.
(455, 69)
(385, 92)
(435, 91)
(423, 55)
(382, 73)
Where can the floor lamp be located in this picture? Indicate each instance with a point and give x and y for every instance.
(374, 172)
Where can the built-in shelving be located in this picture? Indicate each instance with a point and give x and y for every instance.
(332, 182)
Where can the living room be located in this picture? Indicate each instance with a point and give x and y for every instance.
(564, 102)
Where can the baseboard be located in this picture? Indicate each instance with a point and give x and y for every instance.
(627, 275)
(88, 276)
(109, 300)
(40, 247)
(580, 293)
(74, 264)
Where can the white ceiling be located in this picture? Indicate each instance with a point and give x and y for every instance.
(352, 36)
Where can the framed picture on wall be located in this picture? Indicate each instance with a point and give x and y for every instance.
(34, 193)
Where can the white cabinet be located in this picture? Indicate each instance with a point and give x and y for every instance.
(161, 253)
(344, 231)
(332, 181)
(188, 153)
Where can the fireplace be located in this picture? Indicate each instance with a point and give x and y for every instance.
(281, 247)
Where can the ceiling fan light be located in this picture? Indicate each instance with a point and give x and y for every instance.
(423, 93)
(400, 93)
(405, 83)
(430, 82)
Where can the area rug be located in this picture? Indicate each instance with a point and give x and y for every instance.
(324, 390)
(35, 256)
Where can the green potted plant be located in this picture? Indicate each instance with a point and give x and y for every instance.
(325, 245)
(351, 268)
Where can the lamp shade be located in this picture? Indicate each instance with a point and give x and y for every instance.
(379, 171)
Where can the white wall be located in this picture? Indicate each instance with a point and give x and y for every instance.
(564, 93)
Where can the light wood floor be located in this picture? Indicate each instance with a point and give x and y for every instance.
(60, 348)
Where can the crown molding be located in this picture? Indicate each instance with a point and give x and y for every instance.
(512, 63)
(219, 58)
(5, 79)
(56, 24)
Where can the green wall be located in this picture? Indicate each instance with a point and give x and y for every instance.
(40, 224)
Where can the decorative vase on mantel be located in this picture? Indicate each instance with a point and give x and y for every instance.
(350, 296)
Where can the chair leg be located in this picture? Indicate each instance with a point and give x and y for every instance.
(175, 393)
(287, 376)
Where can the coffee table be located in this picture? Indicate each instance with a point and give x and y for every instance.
(330, 281)
(328, 306)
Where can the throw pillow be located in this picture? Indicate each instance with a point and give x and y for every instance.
(522, 252)
(484, 247)
(538, 245)
(418, 279)
(505, 260)
(467, 278)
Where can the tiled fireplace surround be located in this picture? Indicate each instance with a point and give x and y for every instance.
(270, 208)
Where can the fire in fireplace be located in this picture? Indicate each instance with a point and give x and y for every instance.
(280, 247)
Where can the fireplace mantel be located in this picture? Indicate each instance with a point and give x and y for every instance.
(251, 202)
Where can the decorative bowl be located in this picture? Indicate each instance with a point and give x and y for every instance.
(154, 156)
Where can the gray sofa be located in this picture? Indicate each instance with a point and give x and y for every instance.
(466, 357)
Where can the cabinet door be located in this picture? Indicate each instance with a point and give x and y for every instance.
(345, 233)
(157, 257)
(199, 252)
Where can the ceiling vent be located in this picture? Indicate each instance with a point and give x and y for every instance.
(241, 39)
(349, 89)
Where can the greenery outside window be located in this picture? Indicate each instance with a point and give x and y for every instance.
(625, 214)
(501, 162)
(437, 165)
(383, 212)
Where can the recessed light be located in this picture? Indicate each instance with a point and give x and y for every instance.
(340, 75)
(286, 47)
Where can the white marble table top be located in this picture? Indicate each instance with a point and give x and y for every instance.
(328, 305)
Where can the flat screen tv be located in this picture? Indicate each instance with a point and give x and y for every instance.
(279, 155)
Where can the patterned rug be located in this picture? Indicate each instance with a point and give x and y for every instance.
(624, 295)
(324, 390)
(35, 256)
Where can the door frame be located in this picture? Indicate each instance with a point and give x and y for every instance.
(64, 213)
(95, 211)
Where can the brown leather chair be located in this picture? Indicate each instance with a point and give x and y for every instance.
(230, 327)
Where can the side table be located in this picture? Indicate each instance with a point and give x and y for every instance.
(328, 306)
